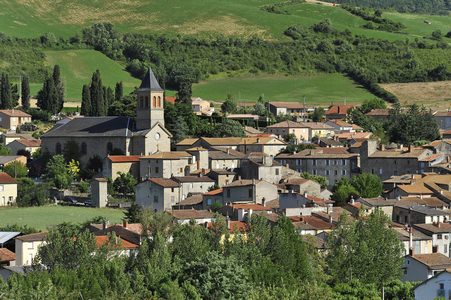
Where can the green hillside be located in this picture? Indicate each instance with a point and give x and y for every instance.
(316, 88)
(77, 67)
(27, 18)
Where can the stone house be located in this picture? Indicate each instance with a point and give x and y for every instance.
(296, 109)
(418, 215)
(263, 168)
(338, 112)
(282, 129)
(9, 137)
(11, 119)
(114, 164)
(101, 136)
(201, 107)
(342, 126)
(249, 190)
(8, 190)
(243, 212)
(184, 216)
(412, 240)
(371, 204)
(158, 194)
(332, 163)
(27, 247)
(443, 119)
(440, 234)
(9, 159)
(222, 177)
(30, 145)
(165, 164)
(226, 159)
(212, 197)
(420, 267)
(301, 186)
(193, 185)
(380, 114)
(319, 130)
(295, 204)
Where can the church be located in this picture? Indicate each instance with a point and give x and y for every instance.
(102, 136)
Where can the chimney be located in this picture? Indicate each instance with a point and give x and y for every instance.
(250, 213)
(410, 241)
(228, 222)
(352, 200)
(124, 223)
(330, 220)
(382, 147)
(263, 201)
(228, 150)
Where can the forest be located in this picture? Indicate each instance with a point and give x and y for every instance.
(441, 7)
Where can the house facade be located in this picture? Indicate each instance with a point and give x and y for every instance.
(8, 190)
(11, 119)
(27, 247)
(157, 194)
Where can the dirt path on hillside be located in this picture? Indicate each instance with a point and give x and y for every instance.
(321, 2)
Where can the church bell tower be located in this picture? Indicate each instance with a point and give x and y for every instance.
(150, 106)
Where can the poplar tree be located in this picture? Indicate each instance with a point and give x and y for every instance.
(97, 95)
(118, 91)
(5, 92)
(86, 101)
(59, 89)
(25, 93)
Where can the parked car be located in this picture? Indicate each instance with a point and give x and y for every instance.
(70, 200)
(89, 203)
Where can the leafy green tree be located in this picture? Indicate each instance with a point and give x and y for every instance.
(118, 91)
(217, 277)
(25, 86)
(371, 104)
(133, 213)
(229, 128)
(343, 190)
(125, 184)
(367, 185)
(320, 179)
(436, 35)
(318, 114)
(86, 101)
(16, 169)
(190, 242)
(367, 250)
(260, 109)
(4, 150)
(67, 247)
(31, 194)
(229, 105)
(57, 172)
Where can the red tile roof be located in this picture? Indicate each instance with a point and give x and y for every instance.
(170, 99)
(6, 179)
(164, 182)
(123, 158)
(115, 243)
(339, 109)
(214, 192)
(6, 255)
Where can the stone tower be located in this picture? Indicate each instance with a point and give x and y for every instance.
(150, 106)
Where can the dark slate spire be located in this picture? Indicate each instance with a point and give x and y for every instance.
(149, 82)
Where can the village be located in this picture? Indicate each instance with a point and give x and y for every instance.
(199, 179)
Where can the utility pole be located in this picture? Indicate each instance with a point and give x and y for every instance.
(303, 113)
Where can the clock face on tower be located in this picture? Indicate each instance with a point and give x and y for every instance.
(157, 136)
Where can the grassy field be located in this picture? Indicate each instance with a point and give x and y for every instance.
(30, 18)
(435, 95)
(77, 67)
(317, 88)
(42, 217)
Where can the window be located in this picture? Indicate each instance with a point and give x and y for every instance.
(439, 236)
(336, 172)
(327, 162)
(157, 170)
(228, 193)
(251, 193)
(380, 171)
(314, 162)
(154, 101)
(372, 171)
(344, 162)
(445, 248)
(277, 172)
(327, 172)
(337, 162)
(155, 199)
(159, 101)
(315, 172)
(58, 148)
(10, 198)
(109, 147)
(172, 190)
(298, 162)
(441, 286)
(84, 148)
(343, 172)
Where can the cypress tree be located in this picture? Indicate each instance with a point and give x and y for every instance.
(97, 96)
(6, 97)
(59, 89)
(25, 93)
(118, 91)
(109, 99)
(85, 101)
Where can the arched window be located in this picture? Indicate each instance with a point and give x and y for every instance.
(84, 148)
(109, 147)
(58, 148)
(147, 102)
(159, 101)
(154, 101)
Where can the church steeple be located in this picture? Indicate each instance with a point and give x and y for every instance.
(150, 106)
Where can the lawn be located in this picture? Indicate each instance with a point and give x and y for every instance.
(42, 217)
(316, 88)
(77, 67)
(27, 18)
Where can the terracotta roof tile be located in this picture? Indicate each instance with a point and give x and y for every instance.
(6, 179)
(6, 255)
(168, 155)
(433, 260)
(118, 243)
(164, 182)
(123, 158)
(339, 109)
(29, 143)
(33, 237)
(214, 192)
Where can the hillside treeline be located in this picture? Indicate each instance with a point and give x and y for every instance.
(182, 60)
(412, 6)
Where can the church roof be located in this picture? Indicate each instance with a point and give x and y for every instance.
(149, 82)
(93, 127)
